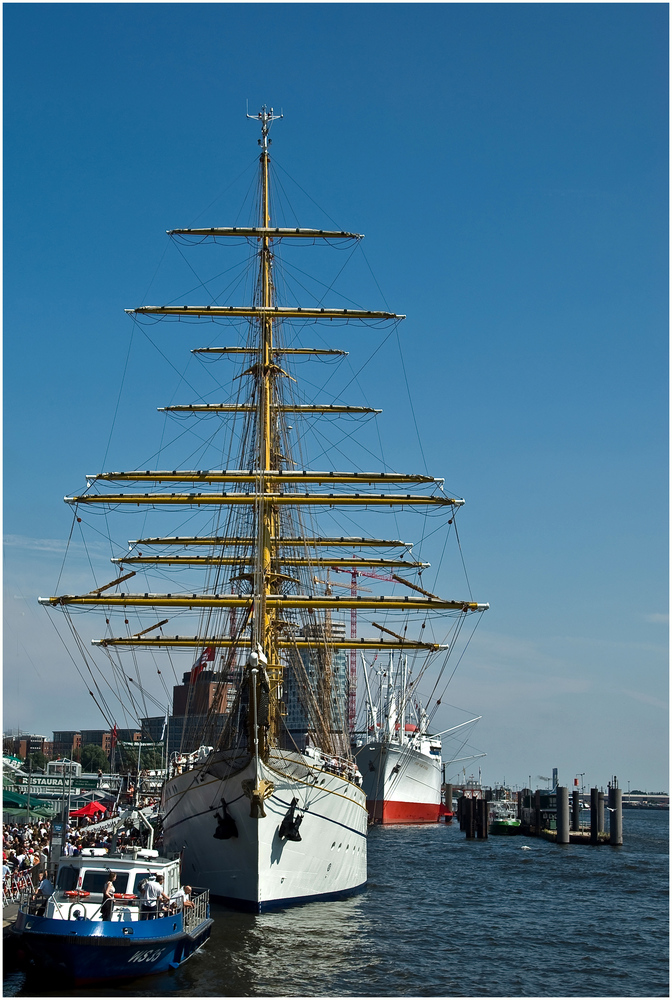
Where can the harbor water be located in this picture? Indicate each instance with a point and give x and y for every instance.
(446, 917)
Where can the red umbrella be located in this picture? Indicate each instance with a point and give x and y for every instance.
(90, 809)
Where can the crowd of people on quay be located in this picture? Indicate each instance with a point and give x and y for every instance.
(25, 856)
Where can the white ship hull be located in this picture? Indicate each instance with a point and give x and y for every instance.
(256, 868)
(402, 784)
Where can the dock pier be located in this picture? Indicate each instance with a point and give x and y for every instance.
(547, 814)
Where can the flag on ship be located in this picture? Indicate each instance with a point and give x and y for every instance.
(207, 656)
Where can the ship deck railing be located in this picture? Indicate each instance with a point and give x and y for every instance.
(342, 766)
(193, 916)
(29, 903)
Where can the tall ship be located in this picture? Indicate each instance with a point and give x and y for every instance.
(265, 804)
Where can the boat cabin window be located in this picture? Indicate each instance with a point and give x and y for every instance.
(95, 879)
(67, 878)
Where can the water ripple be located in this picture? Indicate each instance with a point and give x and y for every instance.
(447, 917)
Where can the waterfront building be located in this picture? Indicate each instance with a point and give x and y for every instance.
(66, 742)
(22, 745)
(200, 704)
(104, 737)
(317, 680)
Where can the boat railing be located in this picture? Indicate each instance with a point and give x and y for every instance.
(196, 914)
(180, 762)
(27, 902)
(342, 766)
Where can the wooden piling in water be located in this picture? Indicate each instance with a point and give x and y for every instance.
(481, 819)
(576, 811)
(537, 812)
(615, 815)
(562, 814)
(471, 818)
(594, 821)
(465, 814)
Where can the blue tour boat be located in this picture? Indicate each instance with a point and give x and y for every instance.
(66, 935)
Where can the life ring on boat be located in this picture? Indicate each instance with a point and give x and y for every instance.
(124, 895)
(77, 894)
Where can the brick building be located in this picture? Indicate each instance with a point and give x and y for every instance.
(22, 745)
(66, 742)
(202, 701)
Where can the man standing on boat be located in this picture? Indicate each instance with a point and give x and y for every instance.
(152, 893)
(44, 891)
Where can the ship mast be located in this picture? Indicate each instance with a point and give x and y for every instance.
(273, 497)
(263, 634)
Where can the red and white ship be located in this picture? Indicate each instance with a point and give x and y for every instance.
(400, 762)
(402, 777)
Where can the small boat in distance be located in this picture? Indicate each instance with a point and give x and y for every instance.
(503, 819)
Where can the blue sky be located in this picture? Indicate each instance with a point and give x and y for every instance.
(508, 165)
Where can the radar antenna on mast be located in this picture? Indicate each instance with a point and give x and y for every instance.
(266, 117)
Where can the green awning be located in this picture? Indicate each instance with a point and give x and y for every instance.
(15, 799)
(14, 813)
